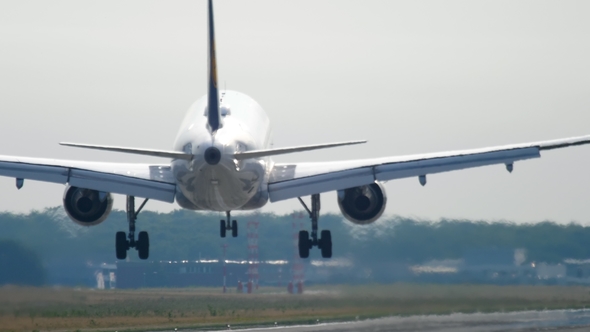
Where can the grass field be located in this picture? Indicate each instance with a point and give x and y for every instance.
(30, 309)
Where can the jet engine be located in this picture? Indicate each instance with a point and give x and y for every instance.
(362, 205)
(87, 207)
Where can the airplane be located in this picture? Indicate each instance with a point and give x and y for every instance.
(221, 161)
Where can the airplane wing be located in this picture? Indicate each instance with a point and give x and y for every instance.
(302, 179)
(141, 180)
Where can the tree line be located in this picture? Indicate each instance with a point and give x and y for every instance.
(188, 235)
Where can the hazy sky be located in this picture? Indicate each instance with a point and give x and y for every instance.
(408, 76)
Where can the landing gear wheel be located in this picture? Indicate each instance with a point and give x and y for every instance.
(125, 241)
(323, 242)
(222, 228)
(326, 244)
(121, 245)
(234, 228)
(143, 245)
(225, 225)
(304, 244)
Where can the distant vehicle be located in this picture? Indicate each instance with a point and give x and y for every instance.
(221, 162)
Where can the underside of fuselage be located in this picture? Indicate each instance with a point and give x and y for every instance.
(221, 187)
(214, 179)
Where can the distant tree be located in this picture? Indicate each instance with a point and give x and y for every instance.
(190, 235)
(20, 265)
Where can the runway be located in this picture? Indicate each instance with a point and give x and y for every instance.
(555, 320)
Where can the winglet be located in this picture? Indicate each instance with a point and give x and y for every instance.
(213, 112)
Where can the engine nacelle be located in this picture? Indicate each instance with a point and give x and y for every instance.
(87, 207)
(362, 205)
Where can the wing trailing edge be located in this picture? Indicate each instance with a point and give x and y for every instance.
(301, 179)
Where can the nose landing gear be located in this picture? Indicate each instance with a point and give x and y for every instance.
(324, 243)
(124, 242)
(225, 225)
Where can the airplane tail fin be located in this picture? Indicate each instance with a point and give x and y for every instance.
(213, 109)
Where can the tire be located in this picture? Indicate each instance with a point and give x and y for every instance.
(234, 228)
(326, 244)
(303, 244)
(121, 245)
(143, 245)
(222, 228)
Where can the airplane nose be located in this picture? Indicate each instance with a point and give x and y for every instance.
(212, 155)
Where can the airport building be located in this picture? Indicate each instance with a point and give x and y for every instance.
(200, 273)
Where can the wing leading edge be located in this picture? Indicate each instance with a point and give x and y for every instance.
(295, 180)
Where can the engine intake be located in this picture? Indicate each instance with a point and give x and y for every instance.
(87, 207)
(362, 205)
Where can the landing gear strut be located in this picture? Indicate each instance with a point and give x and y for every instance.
(324, 243)
(124, 242)
(225, 225)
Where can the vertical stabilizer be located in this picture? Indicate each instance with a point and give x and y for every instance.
(213, 114)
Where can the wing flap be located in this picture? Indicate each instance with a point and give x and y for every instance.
(293, 186)
(44, 173)
(295, 180)
(439, 165)
(119, 184)
(320, 183)
(141, 180)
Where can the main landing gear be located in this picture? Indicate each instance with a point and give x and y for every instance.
(225, 225)
(324, 243)
(124, 242)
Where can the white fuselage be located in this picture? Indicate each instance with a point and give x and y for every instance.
(229, 184)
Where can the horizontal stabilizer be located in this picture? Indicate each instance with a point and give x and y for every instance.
(274, 152)
(145, 152)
